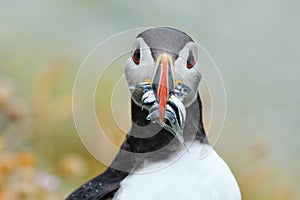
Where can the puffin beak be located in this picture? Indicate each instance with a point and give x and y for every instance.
(163, 82)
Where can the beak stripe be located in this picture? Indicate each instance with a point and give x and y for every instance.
(163, 89)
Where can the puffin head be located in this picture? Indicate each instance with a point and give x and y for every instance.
(164, 57)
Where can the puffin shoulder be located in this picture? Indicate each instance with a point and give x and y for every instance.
(102, 187)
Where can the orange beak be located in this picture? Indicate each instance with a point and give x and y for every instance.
(163, 82)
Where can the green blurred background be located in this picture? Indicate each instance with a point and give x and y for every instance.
(42, 44)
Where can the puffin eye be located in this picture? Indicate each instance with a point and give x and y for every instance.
(190, 62)
(136, 56)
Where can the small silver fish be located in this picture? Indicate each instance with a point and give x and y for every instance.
(175, 110)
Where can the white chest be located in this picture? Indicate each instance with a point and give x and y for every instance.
(189, 177)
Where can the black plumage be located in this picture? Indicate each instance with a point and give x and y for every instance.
(165, 39)
(105, 185)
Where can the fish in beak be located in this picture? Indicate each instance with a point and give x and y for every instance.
(163, 98)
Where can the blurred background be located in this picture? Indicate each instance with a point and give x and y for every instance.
(42, 44)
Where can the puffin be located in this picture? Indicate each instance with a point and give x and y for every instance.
(160, 158)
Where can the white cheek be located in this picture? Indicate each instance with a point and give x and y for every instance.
(136, 74)
(147, 58)
(182, 73)
(189, 77)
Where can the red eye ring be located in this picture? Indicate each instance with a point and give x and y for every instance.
(136, 56)
(190, 61)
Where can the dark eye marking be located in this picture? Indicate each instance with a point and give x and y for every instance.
(136, 56)
(190, 61)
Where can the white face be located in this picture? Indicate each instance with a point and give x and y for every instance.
(186, 68)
